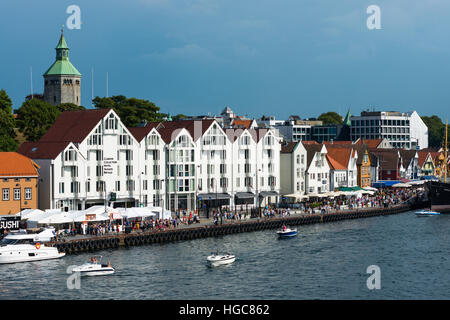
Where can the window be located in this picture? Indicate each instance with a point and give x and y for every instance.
(223, 168)
(61, 187)
(117, 185)
(16, 194)
(99, 171)
(130, 185)
(27, 193)
(5, 194)
(223, 182)
(129, 170)
(100, 186)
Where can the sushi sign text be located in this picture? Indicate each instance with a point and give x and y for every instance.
(9, 223)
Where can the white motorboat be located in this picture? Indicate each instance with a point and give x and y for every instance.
(217, 259)
(287, 232)
(94, 268)
(24, 247)
(426, 213)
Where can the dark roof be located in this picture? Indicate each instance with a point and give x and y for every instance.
(141, 132)
(196, 128)
(388, 158)
(289, 147)
(74, 126)
(311, 150)
(42, 150)
(407, 155)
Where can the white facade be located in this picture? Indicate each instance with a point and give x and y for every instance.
(345, 176)
(170, 164)
(293, 170)
(318, 171)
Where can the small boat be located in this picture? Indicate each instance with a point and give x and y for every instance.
(94, 268)
(425, 213)
(217, 259)
(287, 232)
(25, 247)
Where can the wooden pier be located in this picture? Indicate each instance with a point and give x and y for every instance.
(189, 233)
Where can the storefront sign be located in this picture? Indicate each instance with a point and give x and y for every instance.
(108, 167)
(11, 223)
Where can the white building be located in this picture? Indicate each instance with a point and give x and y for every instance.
(293, 169)
(88, 156)
(402, 130)
(343, 167)
(318, 171)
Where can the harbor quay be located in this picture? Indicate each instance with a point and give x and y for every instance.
(83, 243)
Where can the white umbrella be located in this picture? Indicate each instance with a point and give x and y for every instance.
(370, 188)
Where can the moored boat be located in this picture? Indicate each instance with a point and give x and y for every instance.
(24, 247)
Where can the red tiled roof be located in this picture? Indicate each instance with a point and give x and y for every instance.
(337, 142)
(242, 123)
(338, 158)
(371, 143)
(17, 165)
(423, 155)
(74, 126)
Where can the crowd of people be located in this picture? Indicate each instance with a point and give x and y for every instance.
(381, 198)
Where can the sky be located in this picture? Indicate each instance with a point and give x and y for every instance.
(260, 57)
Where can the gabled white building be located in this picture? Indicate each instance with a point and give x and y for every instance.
(318, 171)
(293, 168)
(89, 158)
(343, 167)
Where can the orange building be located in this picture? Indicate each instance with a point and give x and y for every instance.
(18, 183)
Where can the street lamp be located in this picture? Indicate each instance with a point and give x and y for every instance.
(140, 188)
(196, 189)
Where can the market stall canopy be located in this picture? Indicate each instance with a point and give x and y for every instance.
(296, 196)
(401, 185)
(137, 212)
(27, 213)
(56, 218)
(370, 188)
(385, 183)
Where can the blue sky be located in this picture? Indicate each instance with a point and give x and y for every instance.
(259, 57)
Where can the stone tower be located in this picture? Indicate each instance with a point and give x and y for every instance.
(62, 81)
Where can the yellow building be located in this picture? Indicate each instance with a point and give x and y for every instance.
(18, 183)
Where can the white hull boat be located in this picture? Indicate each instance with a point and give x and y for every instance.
(286, 232)
(220, 259)
(23, 247)
(94, 268)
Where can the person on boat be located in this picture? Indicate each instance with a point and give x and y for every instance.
(284, 227)
(109, 264)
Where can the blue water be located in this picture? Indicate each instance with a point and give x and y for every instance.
(325, 261)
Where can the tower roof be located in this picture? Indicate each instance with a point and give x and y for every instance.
(62, 65)
(347, 120)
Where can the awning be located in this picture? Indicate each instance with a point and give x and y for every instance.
(245, 195)
(268, 193)
(213, 196)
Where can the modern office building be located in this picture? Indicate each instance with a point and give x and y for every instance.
(401, 129)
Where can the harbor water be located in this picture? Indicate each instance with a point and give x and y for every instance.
(325, 261)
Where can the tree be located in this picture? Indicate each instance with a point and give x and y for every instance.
(7, 124)
(435, 131)
(35, 117)
(69, 107)
(130, 110)
(330, 118)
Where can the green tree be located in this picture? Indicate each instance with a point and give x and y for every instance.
(330, 118)
(130, 110)
(7, 124)
(69, 107)
(435, 131)
(35, 117)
